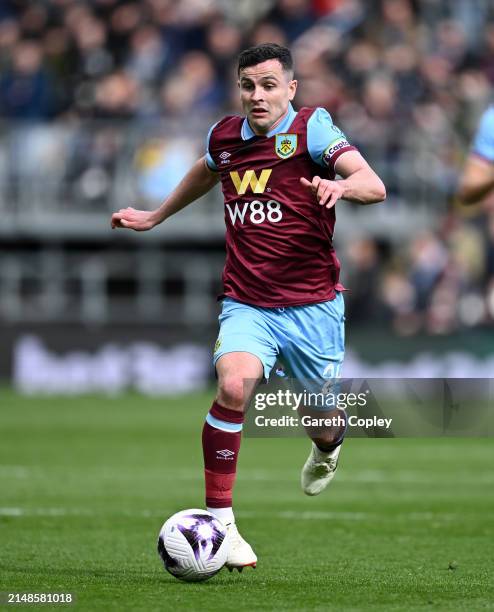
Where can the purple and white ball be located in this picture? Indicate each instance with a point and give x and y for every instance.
(193, 545)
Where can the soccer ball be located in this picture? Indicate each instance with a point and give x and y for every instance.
(193, 545)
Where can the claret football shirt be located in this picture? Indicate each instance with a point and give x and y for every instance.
(279, 240)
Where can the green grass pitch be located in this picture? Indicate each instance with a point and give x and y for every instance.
(87, 482)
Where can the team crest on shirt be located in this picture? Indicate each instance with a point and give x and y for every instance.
(285, 145)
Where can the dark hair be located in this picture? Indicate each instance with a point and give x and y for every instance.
(266, 51)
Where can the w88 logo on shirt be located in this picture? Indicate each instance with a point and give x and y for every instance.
(256, 212)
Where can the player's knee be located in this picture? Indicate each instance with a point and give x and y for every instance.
(231, 392)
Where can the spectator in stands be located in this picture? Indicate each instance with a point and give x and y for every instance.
(26, 88)
(193, 88)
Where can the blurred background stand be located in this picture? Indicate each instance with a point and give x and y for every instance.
(106, 104)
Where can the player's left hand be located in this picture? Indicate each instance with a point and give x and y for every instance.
(327, 192)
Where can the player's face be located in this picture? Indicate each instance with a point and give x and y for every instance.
(265, 92)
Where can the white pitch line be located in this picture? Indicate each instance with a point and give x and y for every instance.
(12, 512)
(303, 515)
(14, 471)
(363, 476)
(309, 515)
(46, 512)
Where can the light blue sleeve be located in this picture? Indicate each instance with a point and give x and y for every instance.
(209, 159)
(483, 143)
(324, 139)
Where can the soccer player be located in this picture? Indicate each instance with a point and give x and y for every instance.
(477, 179)
(282, 296)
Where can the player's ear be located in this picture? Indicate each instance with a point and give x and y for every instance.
(292, 88)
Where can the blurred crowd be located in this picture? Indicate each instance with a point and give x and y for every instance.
(374, 64)
(438, 282)
(406, 80)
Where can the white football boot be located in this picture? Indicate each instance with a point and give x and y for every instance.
(319, 470)
(240, 554)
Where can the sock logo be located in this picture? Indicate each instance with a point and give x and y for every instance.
(225, 454)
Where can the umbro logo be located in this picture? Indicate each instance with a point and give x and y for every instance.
(225, 454)
(224, 157)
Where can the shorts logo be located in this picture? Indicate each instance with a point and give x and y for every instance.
(249, 178)
(217, 345)
(285, 145)
(333, 148)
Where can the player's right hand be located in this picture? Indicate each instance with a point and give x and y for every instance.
(130, 218)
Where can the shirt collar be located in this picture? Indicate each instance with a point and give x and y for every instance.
(281, 128)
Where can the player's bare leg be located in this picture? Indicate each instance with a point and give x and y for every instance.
(238, 375)
(322, 463)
